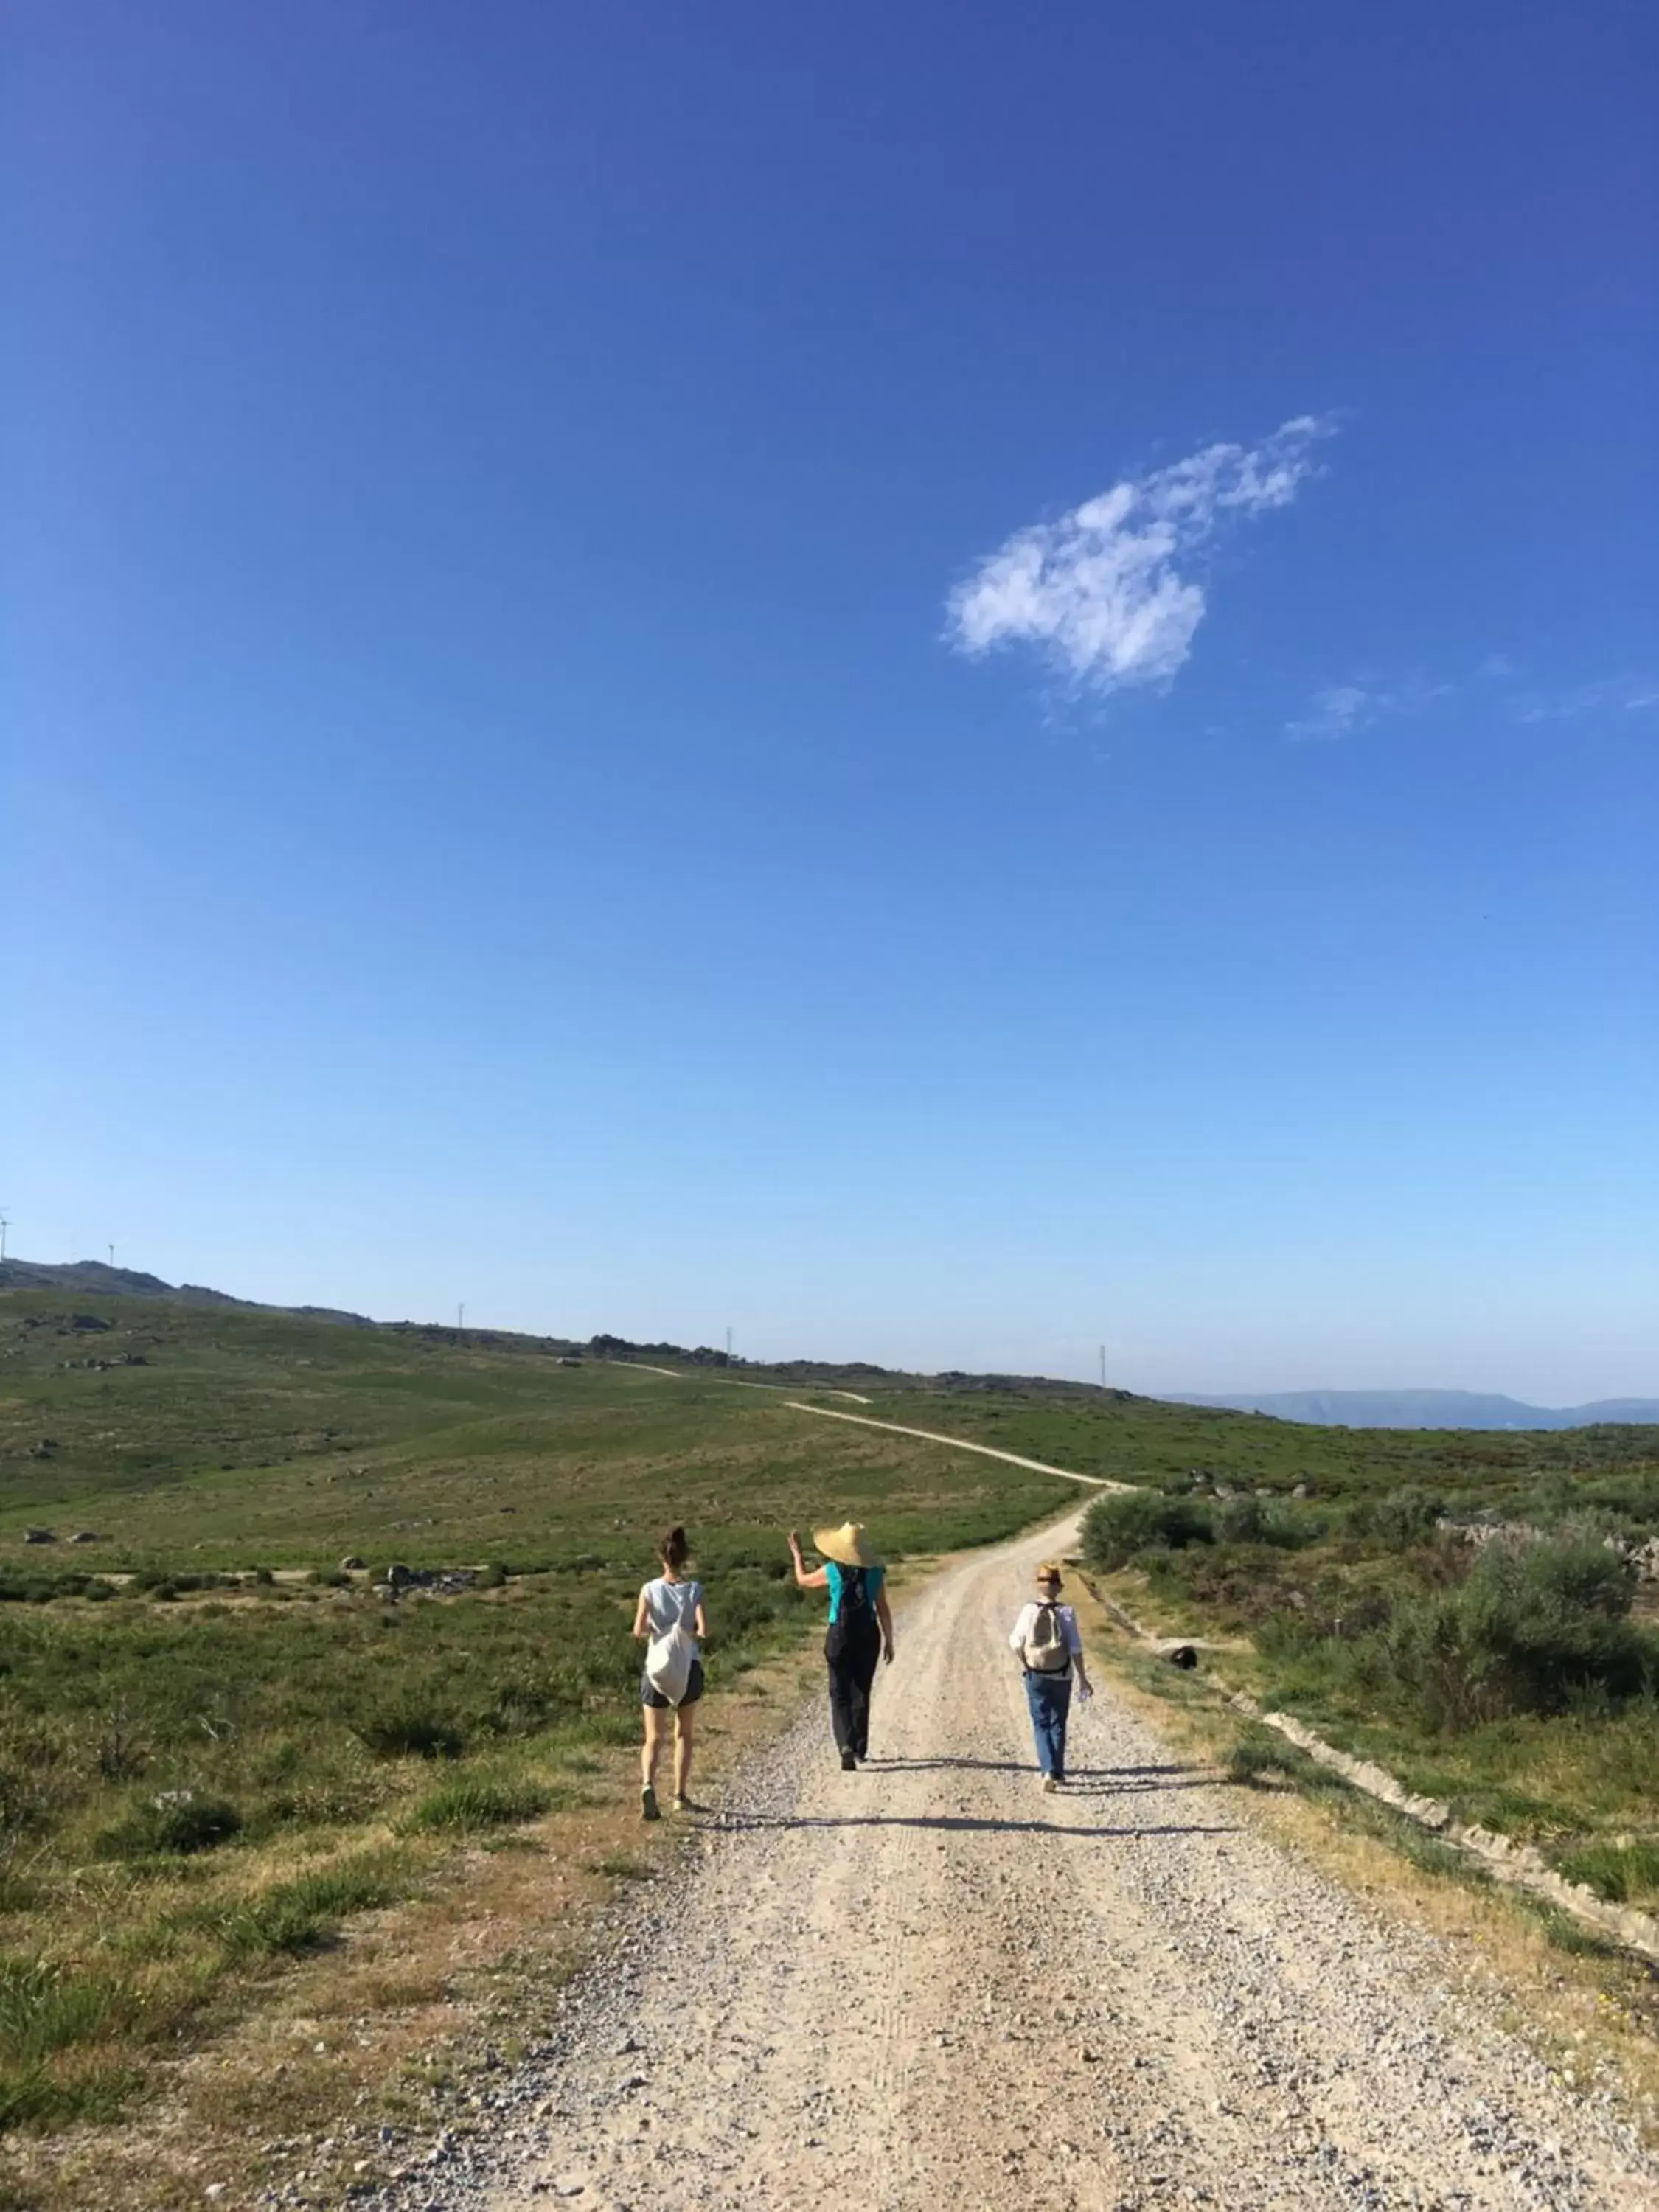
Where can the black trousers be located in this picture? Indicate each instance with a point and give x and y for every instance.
(851, 1653)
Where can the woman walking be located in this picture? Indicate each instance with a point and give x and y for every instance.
(669, 1620)
(860, 1628)
(1051, 1651)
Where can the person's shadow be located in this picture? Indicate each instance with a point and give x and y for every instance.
(734, 1818)
(1086, 1781)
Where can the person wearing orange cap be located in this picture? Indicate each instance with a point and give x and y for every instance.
(860, 1629)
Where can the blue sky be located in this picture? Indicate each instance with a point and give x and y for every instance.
(943, 684)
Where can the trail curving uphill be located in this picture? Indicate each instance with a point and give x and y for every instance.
(927, 1985)
(959, 1443)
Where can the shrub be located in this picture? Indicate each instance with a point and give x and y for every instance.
(177, 1821)
(1533, 1628)
(1397, 1520)
(397, 1729)
(1249, 1521)
(1116, 1528)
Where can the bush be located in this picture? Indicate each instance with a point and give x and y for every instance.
(1533, 1628)
(398, 1728)
(1116, 1527)
(178, 1820)
(1397, 1520)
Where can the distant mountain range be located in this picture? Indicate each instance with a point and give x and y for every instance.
(1426, 1409)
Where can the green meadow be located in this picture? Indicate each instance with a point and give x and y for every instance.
(218, 1743)
(221, 1744)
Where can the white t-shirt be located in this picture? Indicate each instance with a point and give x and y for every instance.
(665, 1602)
(1027, 1622)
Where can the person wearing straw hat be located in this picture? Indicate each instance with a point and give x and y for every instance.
(1051, 1652)
(860, 1628)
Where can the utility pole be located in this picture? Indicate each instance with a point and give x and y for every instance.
(112, 1256)
(460, 1318)
(728, 1344)
(1102, 1367)
(4, 1226)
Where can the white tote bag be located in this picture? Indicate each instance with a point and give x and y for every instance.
(668, 1656)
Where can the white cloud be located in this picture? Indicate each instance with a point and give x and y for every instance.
(1337, 711)
(1626, 694)
(1100, 591)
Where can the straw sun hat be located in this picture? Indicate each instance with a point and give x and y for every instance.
(848, 1545)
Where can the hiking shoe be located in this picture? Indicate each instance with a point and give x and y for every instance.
(849, 1762)
(1050, 1787)
(686, 1805)
(648, 1808)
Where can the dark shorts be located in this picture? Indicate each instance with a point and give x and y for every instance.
(655, 1699)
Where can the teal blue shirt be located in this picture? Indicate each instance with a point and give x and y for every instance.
(837, 1574)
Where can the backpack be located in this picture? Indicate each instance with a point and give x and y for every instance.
(668, 1656)
(1045, 1651)
(854, 1594)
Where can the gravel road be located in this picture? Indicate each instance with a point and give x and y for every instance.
(927, 1984)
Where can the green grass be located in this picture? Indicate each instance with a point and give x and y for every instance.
(1517, 1680)
(207, 1724)
(473, 1802)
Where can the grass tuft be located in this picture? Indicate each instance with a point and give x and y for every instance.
(480, 1801)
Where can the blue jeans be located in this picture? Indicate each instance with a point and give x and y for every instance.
(1049, 1696)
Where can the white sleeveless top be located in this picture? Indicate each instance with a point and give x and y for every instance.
(665, 1602)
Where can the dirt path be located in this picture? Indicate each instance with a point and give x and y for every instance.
(927, 1985)
(960, 1443)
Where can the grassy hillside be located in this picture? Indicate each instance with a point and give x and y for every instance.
(215, 1745)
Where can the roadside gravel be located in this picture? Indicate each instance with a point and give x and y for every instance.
(927, 1985)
